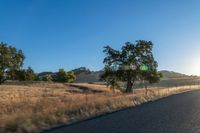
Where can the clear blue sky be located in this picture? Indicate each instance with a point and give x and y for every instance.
(72, 33)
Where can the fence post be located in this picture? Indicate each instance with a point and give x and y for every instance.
(86, 99)
(168, 88)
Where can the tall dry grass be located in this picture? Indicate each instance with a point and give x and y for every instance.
(26, 109)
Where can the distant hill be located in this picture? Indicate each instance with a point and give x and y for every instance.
(170, 74)
(44, 73)
(84, 74)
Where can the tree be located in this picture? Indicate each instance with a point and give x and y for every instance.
(134, 62)
(26, 75)
(65, 77)
(21, 75)
(11, 60)
(61, 76)
(71, 77)
(30, 74)
(47, 78)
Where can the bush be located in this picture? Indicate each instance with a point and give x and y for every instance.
(65, 77)
(47, 78)
(26, 75)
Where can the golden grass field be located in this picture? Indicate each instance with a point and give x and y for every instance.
(32, 108)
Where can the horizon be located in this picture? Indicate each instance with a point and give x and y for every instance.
(72, 34)
(101, 69)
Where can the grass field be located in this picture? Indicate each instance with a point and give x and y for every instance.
(30, 108)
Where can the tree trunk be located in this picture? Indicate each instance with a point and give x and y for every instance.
(2, 80)
(129, 86)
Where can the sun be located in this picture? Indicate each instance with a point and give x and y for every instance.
(195, 67)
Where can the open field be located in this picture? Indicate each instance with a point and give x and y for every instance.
(34, 107)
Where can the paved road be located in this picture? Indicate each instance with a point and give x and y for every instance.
(175, 114)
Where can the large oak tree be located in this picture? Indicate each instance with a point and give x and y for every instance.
(134, 62)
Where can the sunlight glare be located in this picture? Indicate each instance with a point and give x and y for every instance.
(195, 67)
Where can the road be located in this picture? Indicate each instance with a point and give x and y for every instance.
(174, 114)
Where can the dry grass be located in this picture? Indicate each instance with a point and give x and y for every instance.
(29, 109)
(91, 87)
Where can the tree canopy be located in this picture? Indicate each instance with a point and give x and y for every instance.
(26, 74)
(11, 60)
(47, 78)
(65, 77)
(134, 62)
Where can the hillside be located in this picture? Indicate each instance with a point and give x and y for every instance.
(85, 75)
(170, 74)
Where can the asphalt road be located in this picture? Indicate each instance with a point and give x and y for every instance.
(175, 114)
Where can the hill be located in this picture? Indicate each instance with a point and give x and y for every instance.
(170, 74)
(85, 75)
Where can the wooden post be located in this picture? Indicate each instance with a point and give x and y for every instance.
(86, 99)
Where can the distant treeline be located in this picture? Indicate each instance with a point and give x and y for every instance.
(85, 75)
(11, 68)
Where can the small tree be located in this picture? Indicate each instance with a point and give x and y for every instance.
(61, 76)
(26, 75)
(134, 62)
(30, 74)
(71, 77)
(47, 78)
(11, 61)
(65, 77)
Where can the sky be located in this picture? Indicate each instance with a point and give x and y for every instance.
(69, 34)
